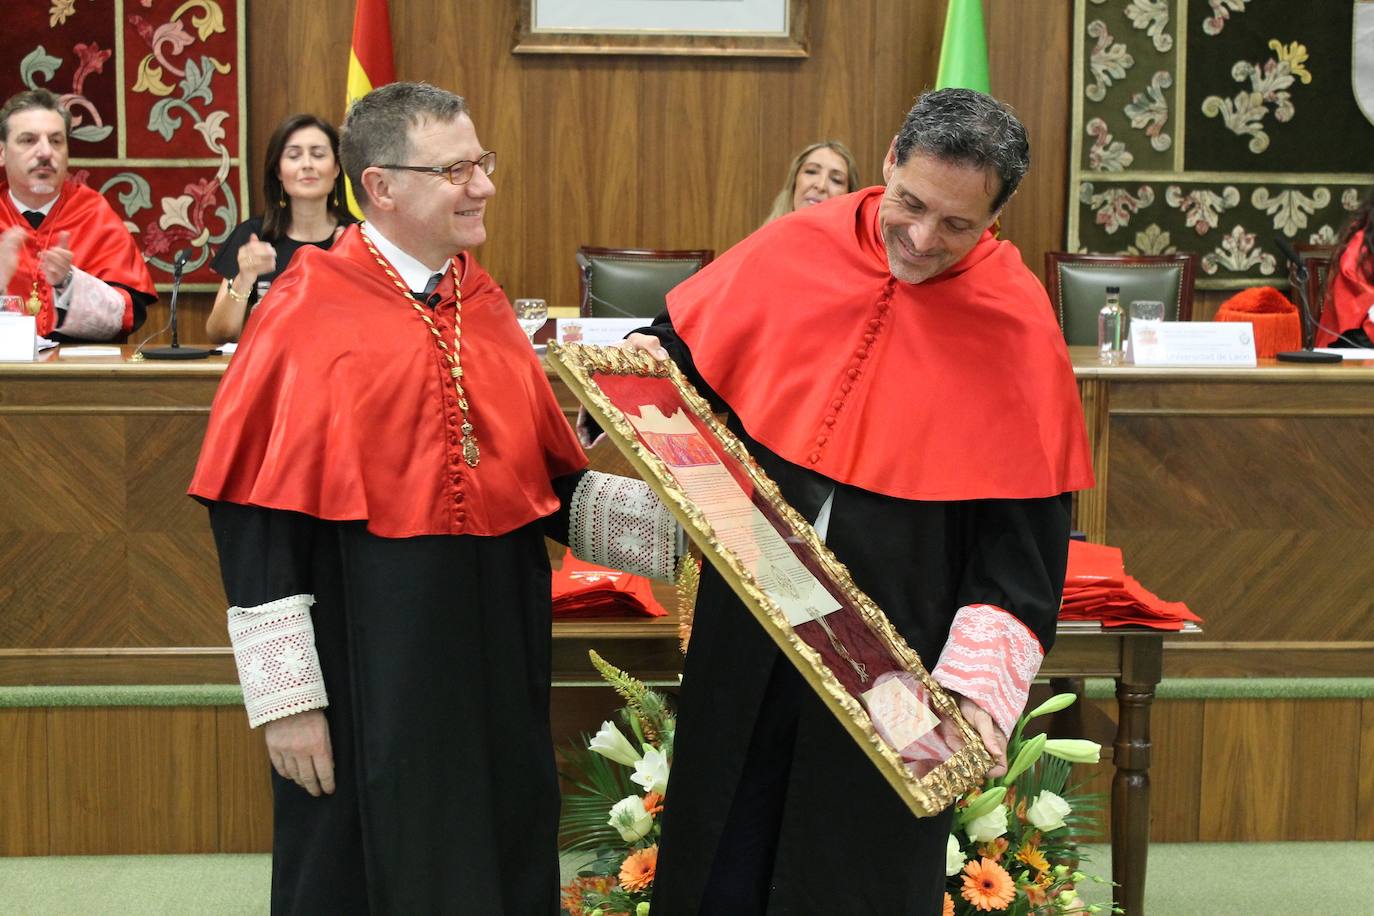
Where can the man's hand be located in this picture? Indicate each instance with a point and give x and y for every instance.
(646, 342)
(11, 242)
(300, 750)
(255, 259)
(992, 736)
(56, 262)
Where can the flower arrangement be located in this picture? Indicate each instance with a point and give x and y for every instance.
(1014, 849)
(620, 783)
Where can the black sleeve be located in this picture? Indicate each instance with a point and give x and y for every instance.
(226, 260)
(1019, 553)
(556, 525)
(264, 554)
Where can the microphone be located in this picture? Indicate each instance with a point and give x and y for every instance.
(1300, 275)
(176, 350)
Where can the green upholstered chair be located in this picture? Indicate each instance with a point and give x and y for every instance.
(1077, 284)
(632, 282)
(1318, 261)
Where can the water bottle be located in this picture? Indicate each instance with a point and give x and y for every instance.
(1111, 329)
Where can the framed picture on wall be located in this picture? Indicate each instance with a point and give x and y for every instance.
(841, 643)
(720, 28)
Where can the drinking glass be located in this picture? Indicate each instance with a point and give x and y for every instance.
(12, 304)
(532, 315)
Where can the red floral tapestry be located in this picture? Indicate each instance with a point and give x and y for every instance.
(156, 90)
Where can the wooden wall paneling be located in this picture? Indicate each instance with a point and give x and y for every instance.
(23, 782)
(63, 474)
(1326, 768)
(1364, 815)
(586, 181)
(132, 780)
(703, 119)
(244, 784)
(1029, 60)
(1250, 772)
(899, 65)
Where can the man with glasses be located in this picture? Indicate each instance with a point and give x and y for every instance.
(384, 459)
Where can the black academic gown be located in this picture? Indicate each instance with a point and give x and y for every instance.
(771, 806)
(436, 655)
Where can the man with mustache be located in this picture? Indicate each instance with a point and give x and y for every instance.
(63, 250)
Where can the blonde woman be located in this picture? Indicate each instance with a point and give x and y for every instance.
(819, 172)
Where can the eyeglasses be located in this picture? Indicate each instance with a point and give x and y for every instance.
(458, 173)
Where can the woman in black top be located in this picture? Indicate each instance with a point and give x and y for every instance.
(304, 189)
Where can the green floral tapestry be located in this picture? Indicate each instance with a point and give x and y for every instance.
(1215, 126)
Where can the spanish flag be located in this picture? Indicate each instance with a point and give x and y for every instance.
(369, 59)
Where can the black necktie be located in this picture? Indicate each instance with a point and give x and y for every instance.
(34, 217)
(429, 297)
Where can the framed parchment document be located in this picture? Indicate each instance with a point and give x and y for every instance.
(840, 641)
(718, 28)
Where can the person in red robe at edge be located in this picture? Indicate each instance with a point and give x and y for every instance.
(63, 250)
(1347, 315)
(900, 374)
(384, 458)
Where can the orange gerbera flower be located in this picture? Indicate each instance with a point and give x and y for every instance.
(987, 885)
(1033, 857)
(653, 802)
(949, 906)
(574, 890)
(1036, 896)
(637, 871)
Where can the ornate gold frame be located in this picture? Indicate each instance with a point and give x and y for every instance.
(576, 364)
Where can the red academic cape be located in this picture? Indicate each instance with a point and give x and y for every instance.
(338, 405)
(100, 245)
(1349, 296)
(956, 388)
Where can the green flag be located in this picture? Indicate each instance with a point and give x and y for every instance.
(964, 49)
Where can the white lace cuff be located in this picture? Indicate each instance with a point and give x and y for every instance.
(274, 648)
(621, 523)
(95, 309)
(991, 658)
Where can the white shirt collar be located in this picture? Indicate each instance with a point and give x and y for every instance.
(22, 207)
(415, 274)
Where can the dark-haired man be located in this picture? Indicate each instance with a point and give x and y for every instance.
(900, 374)
(384, 458)
(78, 269)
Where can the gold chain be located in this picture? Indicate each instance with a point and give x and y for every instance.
(471, 454)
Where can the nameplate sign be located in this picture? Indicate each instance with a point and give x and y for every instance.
(18, 338)
(600, 332)
(1193, 343)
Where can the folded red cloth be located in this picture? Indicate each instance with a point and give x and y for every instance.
(582, 589)
(1096, 587)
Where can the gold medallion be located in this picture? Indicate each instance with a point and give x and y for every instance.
(34, 304)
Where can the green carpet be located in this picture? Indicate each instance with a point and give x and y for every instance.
(1185, 879)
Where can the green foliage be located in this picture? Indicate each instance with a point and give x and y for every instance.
(600, 784)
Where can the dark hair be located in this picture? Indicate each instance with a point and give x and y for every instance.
(32, 98)
(1359, 220)
(377, 127)
(969, 128)
(276, 219)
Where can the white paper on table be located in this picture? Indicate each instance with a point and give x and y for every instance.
(80, 352)
(737, 522)
(1348, 352)
(1193, 343)
(45, 344)
(227, 349)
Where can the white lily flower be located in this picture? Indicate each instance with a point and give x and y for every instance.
(630, 819)
(1074, 750)
(611, 744)
(651, 772)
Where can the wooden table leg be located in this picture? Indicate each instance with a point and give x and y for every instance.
(1135, 690)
